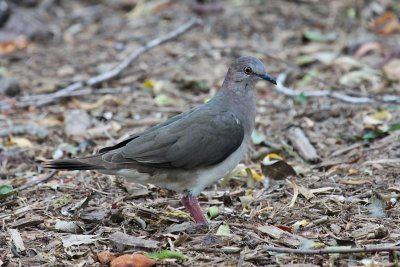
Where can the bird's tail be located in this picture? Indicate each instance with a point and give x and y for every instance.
(71, 164)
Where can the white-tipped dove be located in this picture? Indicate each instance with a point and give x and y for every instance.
(192, 150)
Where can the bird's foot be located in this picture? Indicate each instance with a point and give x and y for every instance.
(192, 205)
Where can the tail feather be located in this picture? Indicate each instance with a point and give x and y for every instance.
(70, 164)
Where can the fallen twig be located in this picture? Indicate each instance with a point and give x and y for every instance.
(346, 98)
(45, 179)
(303, 145)
(295, 192)
(329, 251)
(41, 100)
(87, 91)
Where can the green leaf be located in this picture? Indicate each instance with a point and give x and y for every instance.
(372, 135)
(351, 13)
(223, 230)
(6, 191)
(304, 59)
(66, 200)
(368, 171)
(393, 108)
(319, 37)
(166, 254)
(257, 137)
(161, 100)
(393, 127)
(212, 213)
(301, 98)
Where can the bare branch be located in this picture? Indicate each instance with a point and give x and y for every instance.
(346, 98)
(45, 179)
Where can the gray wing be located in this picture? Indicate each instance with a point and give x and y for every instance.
(202, 138)
(154, 128)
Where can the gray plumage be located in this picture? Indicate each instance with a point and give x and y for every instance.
(191, 150)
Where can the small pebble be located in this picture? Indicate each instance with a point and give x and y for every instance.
(9, 87)
(108, 115)
(119, 46)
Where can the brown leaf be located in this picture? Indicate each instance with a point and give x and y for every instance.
(277, 169)
(392, 70)
(100, 102)
(19, 43)
(136, 260)
(105, 257)
(386, 23)
(367, 47)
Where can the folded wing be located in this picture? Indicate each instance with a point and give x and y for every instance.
(199, 139)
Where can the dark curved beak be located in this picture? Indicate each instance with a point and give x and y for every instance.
(267, 78)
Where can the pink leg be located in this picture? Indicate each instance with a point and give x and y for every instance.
(191, 204)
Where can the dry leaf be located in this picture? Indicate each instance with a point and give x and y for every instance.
(356, 182)
(271, 156)
(136, 260)
(98, 103)
(19, 141)
(105, 257)
(19, 43)
(365, 48)
(386, 23)
(305, 192)
(352, 171)
(321, 190)
(254, 174)
(277, 169)
(49, 122)
(295, 193)
(392, 70)
(76, 240)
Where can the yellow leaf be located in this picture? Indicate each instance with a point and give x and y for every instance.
(271, 156)
(19, 141)
(382, 115)
(208, 98)
(98, 103)
(50, 122)
(256, 176)
(352, 171)
(359, 182)
(262, 210)
(248, 192)
(376, 118)
(300, 224)
(148, 83)
(318, 245)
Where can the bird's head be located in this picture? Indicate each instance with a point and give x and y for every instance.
(248, 69)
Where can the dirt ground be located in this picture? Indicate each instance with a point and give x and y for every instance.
(344, 197)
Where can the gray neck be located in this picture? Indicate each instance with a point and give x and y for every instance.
(239, 98)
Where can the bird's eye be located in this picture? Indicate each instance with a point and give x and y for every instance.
(247, 70)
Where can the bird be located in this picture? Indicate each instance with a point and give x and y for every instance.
(192, 150)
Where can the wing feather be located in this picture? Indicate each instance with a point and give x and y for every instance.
(199, 139)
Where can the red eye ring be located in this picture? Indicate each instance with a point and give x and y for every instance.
(247, 70)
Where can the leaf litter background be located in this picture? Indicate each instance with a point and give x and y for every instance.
(346, 197)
